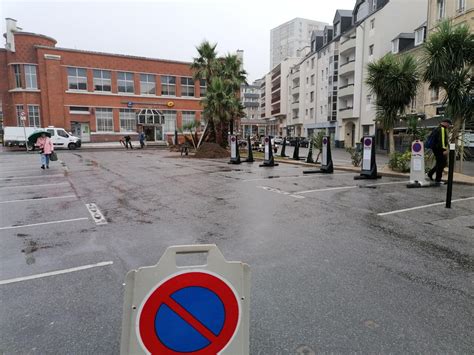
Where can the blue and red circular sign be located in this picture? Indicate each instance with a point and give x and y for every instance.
(368, 142)
(193, 313)
(417, 147)
(233, 139)
(325, 141)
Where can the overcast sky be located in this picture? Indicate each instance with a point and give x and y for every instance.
(167, 29)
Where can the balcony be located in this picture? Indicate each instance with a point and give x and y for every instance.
(346, 112)
(295, 105)
(276, 74)
(276, 99)
(276, 88)
(275, 111)
(346, 90)
(347, 45)
(346, 68)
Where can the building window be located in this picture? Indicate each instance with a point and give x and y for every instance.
(311, 96)
(81, 110)
(461, 5)
(312, 63)
(170, 121)
(104, 120)
(203, 87)
(312, 79)
(187, 87)
(31, 77)
(168, 85)
(77, 78)
(128, 120)
(17, 73)
(147, 84)
(441, 9)
(337, 29)
(372, 24)
(419, 36)
(369, 100)
(125, 82)
(19, 110)
(33, 116)
(102, 80)
(374, 5)
(188, 117)
(395, 46)
(434, 94)
(371, 50)
(311, 113)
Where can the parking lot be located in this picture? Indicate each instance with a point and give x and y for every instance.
(337, 265)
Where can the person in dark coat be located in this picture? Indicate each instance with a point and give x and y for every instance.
(440, 149)
(128, 141)
(141, 137)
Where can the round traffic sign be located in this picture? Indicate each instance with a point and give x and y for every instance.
(417, 147)
(266, 139)
(193, 313)
(368, 142)
(325, 141)
(233, 139)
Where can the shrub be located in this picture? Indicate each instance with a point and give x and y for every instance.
(356, 156)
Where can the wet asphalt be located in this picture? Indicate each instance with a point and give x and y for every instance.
(329, 275)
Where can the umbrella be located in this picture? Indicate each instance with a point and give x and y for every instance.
(33, 137)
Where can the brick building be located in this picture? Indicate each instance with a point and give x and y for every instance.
(97, 96)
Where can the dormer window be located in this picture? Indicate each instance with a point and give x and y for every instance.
(419, 36)
(337, 29)
(395, 46)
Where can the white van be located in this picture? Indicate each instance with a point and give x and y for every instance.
(15, 136)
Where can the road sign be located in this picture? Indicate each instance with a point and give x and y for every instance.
(130, 104)
(23, 116)
(417, 165)
(369, 166)
(268, 159)
(326, 159)
(198, 310)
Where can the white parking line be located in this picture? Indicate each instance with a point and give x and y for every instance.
(326, 189)
(38, 199)
(30, 177)
(53, 273)
(44, 223)
(424, 206)
(26, 186)
(388, 183)
(294, 177)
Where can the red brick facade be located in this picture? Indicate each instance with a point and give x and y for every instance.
(54, 95)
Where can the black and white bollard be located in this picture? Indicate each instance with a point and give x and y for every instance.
(296, 151)
(268, 159)
(309, 158)
(250, 152)
(234, 151)
(327, 166)
(449, 192)
(369, 167)
(417, 166)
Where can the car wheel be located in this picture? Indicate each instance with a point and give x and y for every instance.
(72, 146)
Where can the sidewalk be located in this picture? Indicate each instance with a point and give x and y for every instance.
(117, 145)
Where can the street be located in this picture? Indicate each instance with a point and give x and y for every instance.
(337, 265)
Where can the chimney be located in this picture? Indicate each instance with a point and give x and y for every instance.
(240, 55)
(11, 29)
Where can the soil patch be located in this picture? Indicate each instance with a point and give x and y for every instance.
(211, 151)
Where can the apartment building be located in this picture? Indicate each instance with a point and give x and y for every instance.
(97, 96)
(289, 37)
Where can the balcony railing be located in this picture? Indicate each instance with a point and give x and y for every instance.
(346, 108)
(275, 111)
(345, 86)
(348, 62)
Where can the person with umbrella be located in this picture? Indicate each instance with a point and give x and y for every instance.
(44, 143)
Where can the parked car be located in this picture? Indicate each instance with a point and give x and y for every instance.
(15, 136)
(278, 140)
(304, 142)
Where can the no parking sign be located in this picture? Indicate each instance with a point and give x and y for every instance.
(194, 310)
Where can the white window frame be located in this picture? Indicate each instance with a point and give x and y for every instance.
(371, 51)
(104, 120)
(372, 24)
(147, 84)
(170, 121)
(127, 120)
(417, 32)
(202, 85)
(434, 94)
(165, 83)
(441, 9)
(187, 89)
(74, 78)
(187, 117)
(460, 6)
(101, 80)
(127, 82)
(19, 109)
(31, 77)
(34, 119)
(17, 75)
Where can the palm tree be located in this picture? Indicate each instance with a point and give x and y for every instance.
(448, 65)
(204, 67)
(394, 81)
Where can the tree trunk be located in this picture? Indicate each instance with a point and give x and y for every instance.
(391, 141)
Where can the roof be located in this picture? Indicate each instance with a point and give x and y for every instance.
(113, 54)
(345, 13)
(410, 35)
(33, 34)
(424, 24)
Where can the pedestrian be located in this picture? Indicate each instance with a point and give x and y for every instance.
(439, 146)
(46, 147)
(141, 137)
(128, 141)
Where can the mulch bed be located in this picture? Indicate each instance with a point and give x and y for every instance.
(211, 151)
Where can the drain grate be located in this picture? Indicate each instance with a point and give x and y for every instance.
(97, 216)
